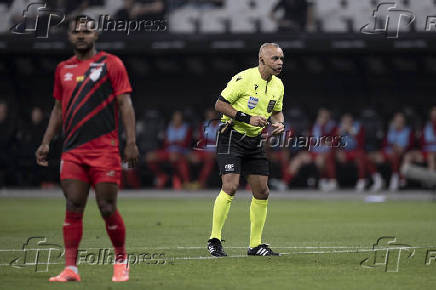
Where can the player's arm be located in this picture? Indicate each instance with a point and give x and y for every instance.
(277, 122)
(54, 124)
(223, 106)
(131, 152)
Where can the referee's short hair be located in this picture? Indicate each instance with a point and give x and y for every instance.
(267, 44)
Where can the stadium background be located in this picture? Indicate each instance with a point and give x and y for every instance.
(329, 63)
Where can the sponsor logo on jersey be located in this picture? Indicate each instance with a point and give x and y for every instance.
(229, 167)
(68, 77)
(111, 173)
(70, 65)
(252, 102)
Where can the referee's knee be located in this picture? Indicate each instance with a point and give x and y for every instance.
(261, 193)
(230, 188)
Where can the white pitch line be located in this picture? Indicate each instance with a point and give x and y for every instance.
(355, 251)
(239, 247)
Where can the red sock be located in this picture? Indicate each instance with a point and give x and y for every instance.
(117, 233)
(72, 229)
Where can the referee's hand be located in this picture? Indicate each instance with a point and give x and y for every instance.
(41, 155)
(258, 121)
(278, 128)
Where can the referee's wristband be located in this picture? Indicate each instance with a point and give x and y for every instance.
(242, 117)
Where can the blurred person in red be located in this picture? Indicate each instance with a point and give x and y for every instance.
(351, 149)
(8, 142)
(205, 150)
(278, 150)
(177, 143)
(427, 154)
(398, 140)
(321, 153)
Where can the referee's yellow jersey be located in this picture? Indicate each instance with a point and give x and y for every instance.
(249, 93)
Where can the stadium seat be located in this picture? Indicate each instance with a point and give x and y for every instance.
(246, 13)
(184, 20)
(4, 24)
(213, 20)
(331, 15)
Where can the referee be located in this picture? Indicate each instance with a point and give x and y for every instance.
(252, 100)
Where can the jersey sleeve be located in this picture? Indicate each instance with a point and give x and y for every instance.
(57, 89)
(119, 78)
(279, 105)
(234, 89)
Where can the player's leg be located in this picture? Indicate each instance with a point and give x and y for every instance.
(301, 159)
(180, 163)
(326, 163)
(394, 160)
(258, 213)
(106, 196)
(76, 194)
(431, 160)
(208, 160)
(371, 168)
(153, 159)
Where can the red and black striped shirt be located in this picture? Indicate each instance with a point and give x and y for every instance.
(87, 90)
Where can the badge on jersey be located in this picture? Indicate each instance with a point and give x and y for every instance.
(252, 102)
(271, 105)
(95, 74)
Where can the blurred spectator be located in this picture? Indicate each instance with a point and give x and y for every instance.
(206, 147)
(352, 150)
(292, 15)
(427, 154)
(142, 9)
(29, 138)
(8, 173)
(278, 149)
(398, 140)
(79, 6)
(322, 154)
(176, 147)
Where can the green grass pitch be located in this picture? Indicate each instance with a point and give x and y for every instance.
(324, 243)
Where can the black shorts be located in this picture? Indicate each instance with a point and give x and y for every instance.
(240, 154)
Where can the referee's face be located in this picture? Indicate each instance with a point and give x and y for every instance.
(82, 37)
(274, 58)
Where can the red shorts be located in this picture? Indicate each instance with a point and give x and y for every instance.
(353, 155)
(91, 168)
